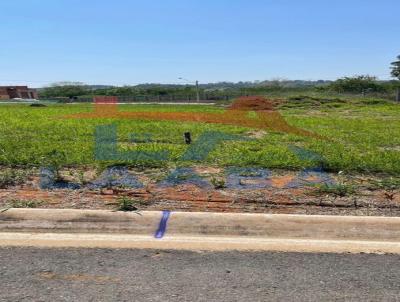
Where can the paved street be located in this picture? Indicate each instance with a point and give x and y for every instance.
(30, 274)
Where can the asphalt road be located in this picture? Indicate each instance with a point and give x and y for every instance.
(30, 274)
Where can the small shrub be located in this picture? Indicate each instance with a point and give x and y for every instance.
(12, 177)
(55, 161)
(218, 183)
(126, 205)
(389, 184)
(24, 203)
(338, 190)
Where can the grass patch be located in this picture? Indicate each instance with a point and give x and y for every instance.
(24, 203)
(389, 184)
(338, 190)
(362, 135)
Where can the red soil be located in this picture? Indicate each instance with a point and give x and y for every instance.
(254, 103)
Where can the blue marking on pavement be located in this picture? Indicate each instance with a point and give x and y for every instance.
(163, 225)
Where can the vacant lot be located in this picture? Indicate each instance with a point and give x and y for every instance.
(361, 136)
(356, 141)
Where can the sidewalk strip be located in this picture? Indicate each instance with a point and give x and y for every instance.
(199, 231)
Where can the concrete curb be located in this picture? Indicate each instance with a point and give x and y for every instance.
(199, 231)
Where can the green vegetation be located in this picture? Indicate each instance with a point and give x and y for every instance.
(353, 86)
(72, 89)
(337, 190)
(12, 177)
(76, 89)
(389, 184)
(362, 135)
(24, 203)
(126, 204)
(358, 84)
(218, 183)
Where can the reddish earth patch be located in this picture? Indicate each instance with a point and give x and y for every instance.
(282, 181)
(189, 197)
(254, 103)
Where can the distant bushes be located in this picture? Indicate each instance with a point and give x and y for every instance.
(362, 84)
(357, 84)
(71, 90)
(64, 91)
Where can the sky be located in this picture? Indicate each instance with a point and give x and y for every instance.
(127, 42)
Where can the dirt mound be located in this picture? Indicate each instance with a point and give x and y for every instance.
(254, 103)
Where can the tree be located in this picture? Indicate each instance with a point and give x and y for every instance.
(65, 89)
(357, 84)
(396, 68)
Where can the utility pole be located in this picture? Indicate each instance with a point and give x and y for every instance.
(197, 88)
(398, 95)
(197, 92)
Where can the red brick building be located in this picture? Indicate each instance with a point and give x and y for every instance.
(22, 92)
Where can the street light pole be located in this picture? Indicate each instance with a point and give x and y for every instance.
(197, 92)
(197, 88)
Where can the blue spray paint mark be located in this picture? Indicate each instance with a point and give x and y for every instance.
(182, 176)
(116, 176)
(106, 147)
(163, 225)
(236, 177)
(48, 181)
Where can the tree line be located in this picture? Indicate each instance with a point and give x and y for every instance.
(356, 84)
